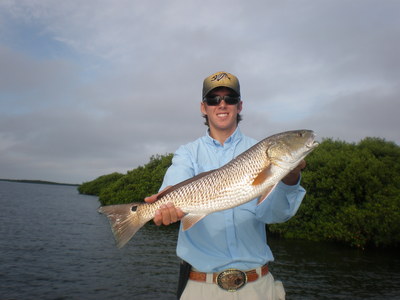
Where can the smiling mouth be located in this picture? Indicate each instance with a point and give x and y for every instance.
(222, 115)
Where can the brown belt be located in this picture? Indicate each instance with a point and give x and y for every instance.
(230, 279)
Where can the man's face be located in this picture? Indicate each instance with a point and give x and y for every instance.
(222, 117)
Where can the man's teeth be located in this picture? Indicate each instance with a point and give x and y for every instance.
(222, 115)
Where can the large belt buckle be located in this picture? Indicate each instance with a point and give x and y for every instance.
(231, 279)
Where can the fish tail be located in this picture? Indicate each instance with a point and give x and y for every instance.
(125, 221)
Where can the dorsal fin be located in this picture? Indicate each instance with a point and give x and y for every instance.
(176, 186)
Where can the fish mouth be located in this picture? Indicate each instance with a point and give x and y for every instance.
(312, 145)
(312, 142)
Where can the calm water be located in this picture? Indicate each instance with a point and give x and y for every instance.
(54, 245)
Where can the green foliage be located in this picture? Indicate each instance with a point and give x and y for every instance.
(138, 183)
(95, 186)
(132, 187)
(353, 195)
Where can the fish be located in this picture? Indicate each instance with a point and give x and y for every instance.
(254, 173)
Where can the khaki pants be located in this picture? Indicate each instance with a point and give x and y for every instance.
(265, 288)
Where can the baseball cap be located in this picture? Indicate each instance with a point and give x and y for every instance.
(221, 79)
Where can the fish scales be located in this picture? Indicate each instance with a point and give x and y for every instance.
(226, 186)
(252, 174)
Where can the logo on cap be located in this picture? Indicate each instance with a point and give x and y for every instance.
(219, 76)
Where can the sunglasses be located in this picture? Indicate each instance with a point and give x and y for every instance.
(216, 100)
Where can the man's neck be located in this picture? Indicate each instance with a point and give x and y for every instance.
(221, 135)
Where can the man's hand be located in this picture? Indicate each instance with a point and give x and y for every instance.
(167, 213)
(293, 177)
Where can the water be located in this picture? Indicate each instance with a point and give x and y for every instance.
(54, 245)
(328, 271)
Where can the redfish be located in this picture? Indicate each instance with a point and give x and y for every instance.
(252, 174)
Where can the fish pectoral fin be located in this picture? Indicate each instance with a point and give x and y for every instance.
(263, 175)
(266, 193)
(190, 219)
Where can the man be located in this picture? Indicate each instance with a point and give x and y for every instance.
(233, 238)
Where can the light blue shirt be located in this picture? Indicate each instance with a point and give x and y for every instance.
(233, 238)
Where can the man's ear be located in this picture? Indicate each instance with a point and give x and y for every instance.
(203, 108)
(240, 107)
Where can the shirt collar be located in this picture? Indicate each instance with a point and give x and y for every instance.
(235, 137)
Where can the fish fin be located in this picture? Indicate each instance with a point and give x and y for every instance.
(125, 221)
(263, 175)
(266, 193)
(190, 219)
(176, 186)
(166, 191)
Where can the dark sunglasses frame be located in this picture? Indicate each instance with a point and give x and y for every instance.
(216, 100)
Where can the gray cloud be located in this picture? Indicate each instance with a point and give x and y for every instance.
(88, 88)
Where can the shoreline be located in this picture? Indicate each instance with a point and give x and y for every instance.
(38, 182)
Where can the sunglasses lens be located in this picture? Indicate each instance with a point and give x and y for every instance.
(231, 100)
(213, 101)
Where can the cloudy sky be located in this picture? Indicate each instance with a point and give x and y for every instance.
(93, 87)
